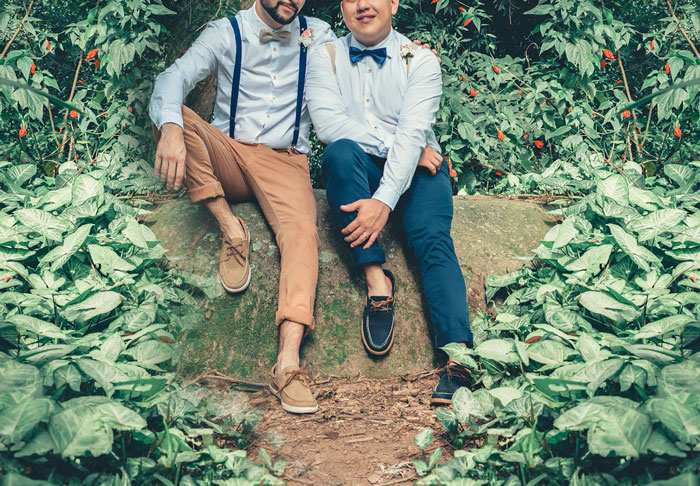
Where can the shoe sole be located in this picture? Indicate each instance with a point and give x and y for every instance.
(440, 401)
(292, 408)
(370, 350)
(238, 290)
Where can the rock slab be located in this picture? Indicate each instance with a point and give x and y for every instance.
(236, 333)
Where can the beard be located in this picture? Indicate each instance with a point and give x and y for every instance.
(272, 8)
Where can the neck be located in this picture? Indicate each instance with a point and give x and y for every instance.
(265, 17)
(371, 42)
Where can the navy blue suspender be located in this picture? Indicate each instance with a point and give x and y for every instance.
(235, 85)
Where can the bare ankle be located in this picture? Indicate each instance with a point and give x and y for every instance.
(233, 230)
(378, 283)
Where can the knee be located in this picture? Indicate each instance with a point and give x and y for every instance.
(339, 156)
(301, 231)
(428, 241)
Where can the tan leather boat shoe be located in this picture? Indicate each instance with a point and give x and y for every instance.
(234, 263)
(293, 390)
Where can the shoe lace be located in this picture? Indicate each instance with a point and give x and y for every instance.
(455, 370)
(235, 250)
(380, 305)
(299, 374)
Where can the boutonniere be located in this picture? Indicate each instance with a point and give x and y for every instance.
(306, 38)
(408, 50)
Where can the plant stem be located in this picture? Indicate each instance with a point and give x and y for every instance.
(680, 26)
(19, 28)
(70, 98)
(629, 97)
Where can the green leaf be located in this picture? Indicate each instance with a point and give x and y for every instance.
(683, 421)
(592, 261)
(639, 255)
(502, 350)
(95, 305)
(621, 432)
(18, 420)
(76, 432)
(603, 304)
(656, 223)
(107, 260)
(465, 405)
(616, 188)
(151, 352)
(42, 222)
(84, 188)
(662, 326)
(549, 352)
(423, 439)
(71, 244)
(28, 324)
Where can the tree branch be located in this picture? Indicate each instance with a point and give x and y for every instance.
(21, 24)
(680, 26)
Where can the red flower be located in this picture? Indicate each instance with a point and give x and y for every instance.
(73, 114)
(500, 134)
(651, 46)
(33, 68)
(80, 81)
(677, 132)
(525, 136)
(609, 54)
(472, 92)
(131, 110)
(496, 70)
(434, 1)
(462, 9)
(463, 79)
(539, 144)
(22, 131)
(569, 110)
(520, 92)
(97, 63)
(467, 22)
(91, 54)
(603, 63)
(48, 45)
(619, 81)
(626, 114)
(499, 173)
(667, 68)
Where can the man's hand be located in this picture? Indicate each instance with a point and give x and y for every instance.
(430, 159)
(427, 46)
(170, 156)
(372, 216)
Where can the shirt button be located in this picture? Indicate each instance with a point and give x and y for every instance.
(257, 139)
(274, 78)
(369, 70)
(274, 49)
(366, 100)
(269, 116)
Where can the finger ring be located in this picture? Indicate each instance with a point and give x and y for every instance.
(364, 235)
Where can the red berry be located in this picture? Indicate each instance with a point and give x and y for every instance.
(500, 134)
(33, 68)
(496, 70)
(539, 144)
(667, 68)
(498, 173)
(91, 54)
(97, 63)
(467, 22)
(603, 63)
(472, 92)
(73, 114)
(651, 46)
(525, 136)
(626, 114)
(48, 45)
(22, 131)
(609, 54)
(462, 9)
(677, 132)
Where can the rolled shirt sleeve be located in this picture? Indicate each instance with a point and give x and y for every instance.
(416, 119)
(173, 84)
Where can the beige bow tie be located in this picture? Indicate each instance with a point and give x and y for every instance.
(283, 36)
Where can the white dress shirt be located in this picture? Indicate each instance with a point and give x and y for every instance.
(267, 96)
(388, 111)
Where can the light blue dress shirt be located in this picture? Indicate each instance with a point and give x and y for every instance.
(387, 110)
(268, 91)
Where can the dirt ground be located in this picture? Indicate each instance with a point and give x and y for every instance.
(362, 434)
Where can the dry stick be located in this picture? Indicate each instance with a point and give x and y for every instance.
(629, 97)
(21, 24)
(70, 98)
(646, 130)
(680, 26)
(53, 128)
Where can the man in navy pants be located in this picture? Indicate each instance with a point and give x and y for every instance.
(373, 97)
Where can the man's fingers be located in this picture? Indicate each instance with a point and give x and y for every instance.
(351, 227)
(164, 170)
(349, 208)
(426, 46)
(157, 165)
(172, 171)
(358, 233)
(359, 240)
(417, 42)
(370, 240)
(179, 175)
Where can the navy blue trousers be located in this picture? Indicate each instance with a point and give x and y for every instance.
(425, 210)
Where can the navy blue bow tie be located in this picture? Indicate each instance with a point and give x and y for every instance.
(378, 55)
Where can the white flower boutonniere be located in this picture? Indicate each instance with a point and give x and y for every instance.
(306, 38)
(408, 50)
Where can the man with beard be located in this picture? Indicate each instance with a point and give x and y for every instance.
(256, 148)
(373, 98)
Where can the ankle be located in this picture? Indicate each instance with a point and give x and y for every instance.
(233, 230)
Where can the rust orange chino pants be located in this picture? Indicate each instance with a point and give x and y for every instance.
(218, 166)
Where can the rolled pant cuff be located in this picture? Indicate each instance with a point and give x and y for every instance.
(370, 255)
(207, 191)
(454, 336)
(294, 314)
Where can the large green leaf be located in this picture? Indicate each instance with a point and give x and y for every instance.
(77, 432)
(639, 254)
(621, 432)
(465, 405)
(107, 260)
(71, 243)
(43, 222)
(16, 421)
(656, 223)
(603, 304)
(663, 326)
(502, 350)
(683, 421)
(95, 305)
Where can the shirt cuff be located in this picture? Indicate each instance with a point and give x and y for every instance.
(171, 117)
(386, 195)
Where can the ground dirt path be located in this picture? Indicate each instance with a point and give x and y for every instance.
(361, 436)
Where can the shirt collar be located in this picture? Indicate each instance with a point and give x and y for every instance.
(257, 24)
(389, 42)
